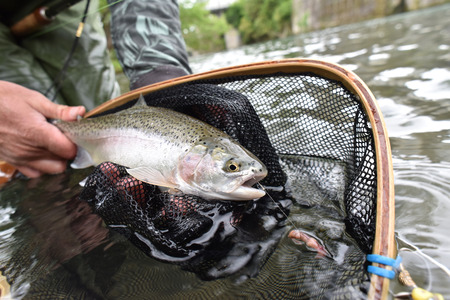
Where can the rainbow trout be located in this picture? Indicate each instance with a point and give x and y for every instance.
(168, 149)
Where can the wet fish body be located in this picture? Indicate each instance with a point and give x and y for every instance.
(169, 149)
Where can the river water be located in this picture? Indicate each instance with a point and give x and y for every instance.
(405, 61)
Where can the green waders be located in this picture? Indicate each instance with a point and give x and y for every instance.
(35, 61)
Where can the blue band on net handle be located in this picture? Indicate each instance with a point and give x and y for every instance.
(394, 263)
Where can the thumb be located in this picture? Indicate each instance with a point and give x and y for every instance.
(69, 113)
(56, 111)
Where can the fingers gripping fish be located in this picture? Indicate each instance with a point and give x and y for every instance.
(168, 149)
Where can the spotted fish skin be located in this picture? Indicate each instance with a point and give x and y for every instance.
(169, 149)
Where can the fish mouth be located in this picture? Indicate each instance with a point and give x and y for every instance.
(255, 177)
(249, 183)
(246, 191)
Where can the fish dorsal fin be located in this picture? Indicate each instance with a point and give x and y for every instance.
(151, 176)
(82, 160)
(141, 101)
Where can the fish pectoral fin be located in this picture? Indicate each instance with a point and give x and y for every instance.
(151, 176)
(172, 191)
(83, 182)
(82, 160)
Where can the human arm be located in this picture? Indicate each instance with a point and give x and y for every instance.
(27, 140)
(148, 40)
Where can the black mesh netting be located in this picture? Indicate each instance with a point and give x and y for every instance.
(293, 123)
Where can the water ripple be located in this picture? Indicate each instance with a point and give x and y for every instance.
(433, 85)
(423, 201)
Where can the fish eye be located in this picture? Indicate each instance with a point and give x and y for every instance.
(232, 166)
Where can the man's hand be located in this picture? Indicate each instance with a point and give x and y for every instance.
(27, 140)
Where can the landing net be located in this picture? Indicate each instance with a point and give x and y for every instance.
(321, 138)
(316, 141)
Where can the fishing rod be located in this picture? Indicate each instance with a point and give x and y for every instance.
(57, 81)
(40, 17)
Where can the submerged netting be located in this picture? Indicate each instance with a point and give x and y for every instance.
(308, 131)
